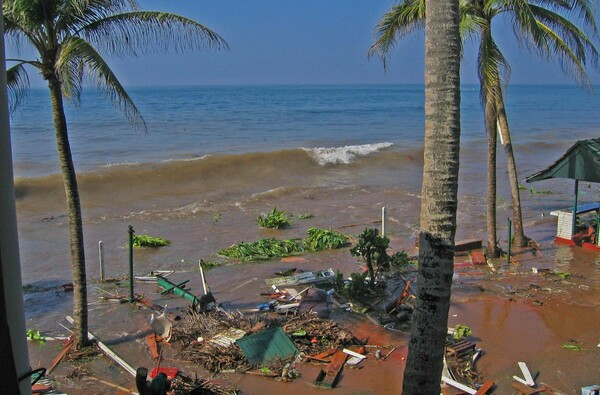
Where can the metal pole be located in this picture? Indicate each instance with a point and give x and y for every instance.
(15, 352)
(131, 232)
(101, 254)
(509, 240)
(383, 221)
(574, 219)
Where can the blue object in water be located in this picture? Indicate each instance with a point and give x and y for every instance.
(591, 390)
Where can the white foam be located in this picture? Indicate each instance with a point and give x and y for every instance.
(344, 155)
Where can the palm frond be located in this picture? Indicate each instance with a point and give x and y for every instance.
(492, 67)
(76, 14)
(402, 19)
(79, 56)
(553, 36)
(17, 82)
(138, 32)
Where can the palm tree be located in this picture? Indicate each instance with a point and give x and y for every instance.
(543, 27)
(439, 199)
(68, 36)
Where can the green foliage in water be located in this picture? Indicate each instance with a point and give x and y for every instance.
(262, 250)
(461, 331)
(572, 347)
(305, 216)
(35, 335)
(149, 241)
(274, 220)
(324, 239)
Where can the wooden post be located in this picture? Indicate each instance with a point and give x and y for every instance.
(383, 212)
(101, 255)
(202, 276)
(509, 241)
(131, 231)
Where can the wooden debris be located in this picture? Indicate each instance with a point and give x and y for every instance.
(109, 352)
(152, 345)
(485, 388)
(61, 355)
(328, 378)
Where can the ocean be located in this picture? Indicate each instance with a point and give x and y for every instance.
(340, 153)
(215, 158)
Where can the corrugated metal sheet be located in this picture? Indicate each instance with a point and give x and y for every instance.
(581, 162)
(265, 346)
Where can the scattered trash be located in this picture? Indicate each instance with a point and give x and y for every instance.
(591, 390)
(228, 337)
(152, 276)
(526, 374)
(304, 278)
(161, 325)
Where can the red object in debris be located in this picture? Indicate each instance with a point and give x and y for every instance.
(170, 372)
(314, 340)
(478, 258)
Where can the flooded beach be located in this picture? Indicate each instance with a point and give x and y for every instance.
(208, 202)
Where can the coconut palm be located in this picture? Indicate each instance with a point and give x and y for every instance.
(68, 37)
(439, 199)
(543, 26)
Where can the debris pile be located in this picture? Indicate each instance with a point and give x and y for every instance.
(202, 338)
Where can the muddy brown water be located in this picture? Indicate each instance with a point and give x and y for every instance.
(515, 315)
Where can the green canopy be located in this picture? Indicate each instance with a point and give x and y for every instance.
(581, 162)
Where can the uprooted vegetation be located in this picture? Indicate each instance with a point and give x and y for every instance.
(267, 249)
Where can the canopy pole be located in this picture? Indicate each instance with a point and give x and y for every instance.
(575, 209)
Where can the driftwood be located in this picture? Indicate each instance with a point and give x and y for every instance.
(310, 335)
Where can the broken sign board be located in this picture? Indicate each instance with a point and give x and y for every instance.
(264, 346)
(315, 277)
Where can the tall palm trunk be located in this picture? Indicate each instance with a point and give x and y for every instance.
(490, 126)
(74, 210)
(439, 198)
(517, 231)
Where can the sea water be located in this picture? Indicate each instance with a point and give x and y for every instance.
(334, 124)
(214, 158)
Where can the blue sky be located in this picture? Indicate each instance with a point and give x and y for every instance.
(304, 42)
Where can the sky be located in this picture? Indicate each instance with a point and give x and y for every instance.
(305, 42)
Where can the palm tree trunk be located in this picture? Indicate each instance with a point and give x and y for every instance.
(490, 126)
(519, 235)
(74, 211)
(439, 198)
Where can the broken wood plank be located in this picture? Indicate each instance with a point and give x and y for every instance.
(467, 245)
(152, 345)
(524, 389)
(62, 354)
(526, 374)
(458, 385)
(485, 388)
(109, 352)
(328, 378)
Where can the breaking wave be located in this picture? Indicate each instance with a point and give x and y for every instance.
(344, 155)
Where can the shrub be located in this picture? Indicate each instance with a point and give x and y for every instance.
(323, 239)
(149, 241)
(275, 219)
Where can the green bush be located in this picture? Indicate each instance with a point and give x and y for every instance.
(274, 220)
(149, 241)
(324, 239)
(262, 250)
